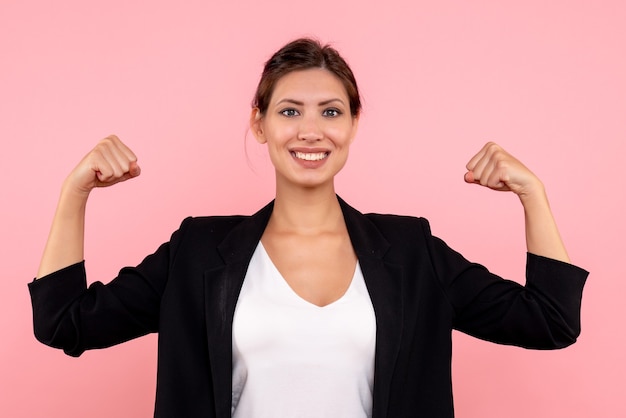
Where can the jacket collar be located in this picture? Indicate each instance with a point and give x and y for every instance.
(223, 285)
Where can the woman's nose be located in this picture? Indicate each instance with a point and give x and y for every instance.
(310, 130)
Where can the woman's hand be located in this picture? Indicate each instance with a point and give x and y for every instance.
(495, 168)
(108, 163)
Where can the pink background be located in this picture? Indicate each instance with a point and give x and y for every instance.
(545, 79)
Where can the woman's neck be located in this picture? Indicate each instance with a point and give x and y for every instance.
(307, 210)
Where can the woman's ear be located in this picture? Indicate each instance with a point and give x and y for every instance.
(355, 126)
(256, 125)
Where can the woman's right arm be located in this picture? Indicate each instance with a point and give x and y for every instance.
(109, 163)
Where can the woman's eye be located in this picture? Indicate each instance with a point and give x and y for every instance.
(289, 112)
(333, 113)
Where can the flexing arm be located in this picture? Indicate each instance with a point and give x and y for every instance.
(493, 167)
(110, 162)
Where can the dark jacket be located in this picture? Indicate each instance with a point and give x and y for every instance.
(420, 289)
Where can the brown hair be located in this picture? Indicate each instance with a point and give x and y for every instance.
(303, 54)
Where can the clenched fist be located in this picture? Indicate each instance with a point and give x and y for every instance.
(495, 168)
(108, 163)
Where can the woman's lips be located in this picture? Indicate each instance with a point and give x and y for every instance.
(310, 159)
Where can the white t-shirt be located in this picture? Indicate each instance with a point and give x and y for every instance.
(292, 358)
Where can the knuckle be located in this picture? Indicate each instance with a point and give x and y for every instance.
(96, 154)
(492, 147)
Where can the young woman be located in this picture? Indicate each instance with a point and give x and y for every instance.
(307, 308)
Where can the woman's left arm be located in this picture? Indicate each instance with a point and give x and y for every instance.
(496, 169)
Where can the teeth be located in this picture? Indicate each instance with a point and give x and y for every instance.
(316, 156)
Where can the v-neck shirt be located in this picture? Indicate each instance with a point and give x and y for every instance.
(292, 358)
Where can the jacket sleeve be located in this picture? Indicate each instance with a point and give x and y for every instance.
(69, 315)
(543, 314)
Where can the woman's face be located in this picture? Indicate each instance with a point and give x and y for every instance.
(307, 127)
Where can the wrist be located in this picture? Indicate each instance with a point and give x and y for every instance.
(72, 198)
(533, 194)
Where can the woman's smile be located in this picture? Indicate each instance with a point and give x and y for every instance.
(310, 156)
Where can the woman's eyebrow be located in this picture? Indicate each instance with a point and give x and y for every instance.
(292, 101)
(299, 103)
(325, 102)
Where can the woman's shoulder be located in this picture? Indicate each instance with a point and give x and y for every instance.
(387, 221)
(210, 225)
(218, 228)
(213, 220)
(402, 232)
(384, 220)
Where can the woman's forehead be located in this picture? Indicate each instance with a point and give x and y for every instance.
(315, 84)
